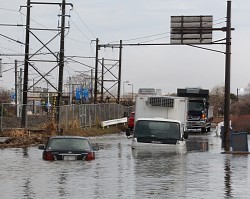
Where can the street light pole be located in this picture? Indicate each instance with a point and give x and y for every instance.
(237, 95)
(125, 82)
(132, 91)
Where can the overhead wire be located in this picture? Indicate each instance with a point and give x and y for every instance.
(79, 30)
(138, 38)
(84, 23)
(149, 36)
(91, 46)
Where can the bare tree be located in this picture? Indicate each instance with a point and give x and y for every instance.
(4, 96)
(217, 99)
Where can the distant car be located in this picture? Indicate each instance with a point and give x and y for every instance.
(131, 121)
(68, 148)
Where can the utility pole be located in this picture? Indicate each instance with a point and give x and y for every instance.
(119, 75)
(237, 95)
(96, 71)
(70, 92)
(227, 80)
(91, 83)
(20, 88)
(1, 75)
(61, 64)
(16, 86)
(26, 67)
(102, 84)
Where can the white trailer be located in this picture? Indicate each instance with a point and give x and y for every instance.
(160, 122)
(167, 107)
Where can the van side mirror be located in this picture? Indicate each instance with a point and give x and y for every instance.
(185, 135)
(128, 132)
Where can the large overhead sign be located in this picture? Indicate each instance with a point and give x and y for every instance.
(191, 29)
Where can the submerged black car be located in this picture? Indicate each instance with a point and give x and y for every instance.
(68, 148)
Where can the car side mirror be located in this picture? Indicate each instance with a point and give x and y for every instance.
(41, 146)
(95, 148)
(185, 135)
(128, 132)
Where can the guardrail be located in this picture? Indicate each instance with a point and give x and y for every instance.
(114, 122)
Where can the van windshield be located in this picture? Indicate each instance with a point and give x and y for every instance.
(157, 129)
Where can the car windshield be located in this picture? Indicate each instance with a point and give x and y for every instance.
(73, 144)
(158, 129)
(195, 106)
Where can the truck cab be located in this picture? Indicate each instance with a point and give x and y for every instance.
(197, 115)
(152, 133)
(200, 114)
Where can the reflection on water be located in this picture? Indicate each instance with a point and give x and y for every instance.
(197, 144)
(228, 177)
(159, 174)
(120, 172)
(141, 154)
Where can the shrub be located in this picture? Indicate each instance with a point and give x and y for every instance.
(241, 123)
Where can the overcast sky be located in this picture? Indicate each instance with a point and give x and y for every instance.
(132, 21)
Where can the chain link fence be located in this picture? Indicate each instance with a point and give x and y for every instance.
(80, 116)
(86, 115)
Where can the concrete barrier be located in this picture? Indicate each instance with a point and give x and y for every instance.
(114, 122)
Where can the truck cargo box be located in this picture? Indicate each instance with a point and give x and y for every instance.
(193, 92)
(167, 107)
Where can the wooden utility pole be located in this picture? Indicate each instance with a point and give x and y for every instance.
(227, 136)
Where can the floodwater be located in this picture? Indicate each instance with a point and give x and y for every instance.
(120, 172)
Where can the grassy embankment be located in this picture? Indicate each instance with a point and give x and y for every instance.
(21, 138)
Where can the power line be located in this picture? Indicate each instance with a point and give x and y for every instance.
(155, 39)
(74, 61)
(137, 38)
(12, 39)
(84, 23)
(23, 54)
(6, 9)
(80, 30)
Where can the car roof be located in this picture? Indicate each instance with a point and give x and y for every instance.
(67, 136)
(158, 119)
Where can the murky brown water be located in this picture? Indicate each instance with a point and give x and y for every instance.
(119, 172)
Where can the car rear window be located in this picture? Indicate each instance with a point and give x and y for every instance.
(68, 144)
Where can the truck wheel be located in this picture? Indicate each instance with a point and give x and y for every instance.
(208, 129)
(203, 130)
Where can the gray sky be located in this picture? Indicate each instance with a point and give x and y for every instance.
(133, 21)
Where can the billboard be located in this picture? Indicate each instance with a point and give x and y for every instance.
(191, 29)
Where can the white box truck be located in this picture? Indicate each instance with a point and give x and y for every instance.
(160, 122)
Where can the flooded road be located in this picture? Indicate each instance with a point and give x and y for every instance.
(120, 172)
